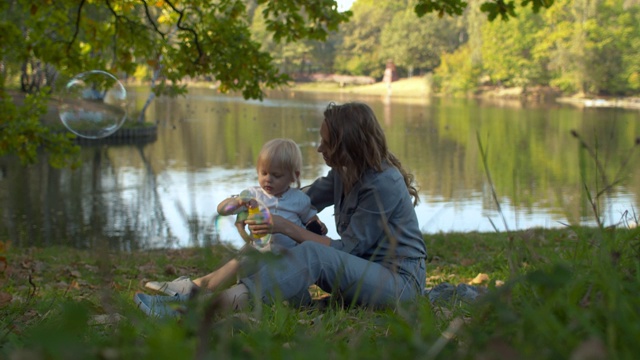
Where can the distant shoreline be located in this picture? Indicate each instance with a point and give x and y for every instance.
(417, 88)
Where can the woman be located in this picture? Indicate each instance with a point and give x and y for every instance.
(379, 259)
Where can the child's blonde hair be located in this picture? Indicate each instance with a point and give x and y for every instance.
(283, 153)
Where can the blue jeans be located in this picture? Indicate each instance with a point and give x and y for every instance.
(355, 280)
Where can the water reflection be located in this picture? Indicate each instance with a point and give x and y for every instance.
(165, 193)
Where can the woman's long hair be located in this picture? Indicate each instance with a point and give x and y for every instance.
(357, 143)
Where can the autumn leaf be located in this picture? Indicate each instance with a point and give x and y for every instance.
(479, 279)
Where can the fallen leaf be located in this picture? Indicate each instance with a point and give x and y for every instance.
(498, 349)
(479, 279)
(106, 319)
(467, 262)
(91, 268)
(148, 269)
(110, 353)
(30, 314)
(590, 349)
(170, 270)
(5, 299)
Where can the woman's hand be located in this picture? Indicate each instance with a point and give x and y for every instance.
(316, 226)
(280, 225)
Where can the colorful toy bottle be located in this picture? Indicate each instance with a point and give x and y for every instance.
(253, 209)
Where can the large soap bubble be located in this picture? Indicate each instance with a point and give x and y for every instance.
(255, 210)
(93, 104)
(259, 212)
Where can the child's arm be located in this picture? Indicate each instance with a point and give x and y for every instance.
(230, 205)
(240, 225)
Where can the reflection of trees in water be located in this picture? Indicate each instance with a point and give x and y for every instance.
(534, 162)
(83, 208)
(202, 231)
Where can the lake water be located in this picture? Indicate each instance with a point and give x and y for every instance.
(164, 193)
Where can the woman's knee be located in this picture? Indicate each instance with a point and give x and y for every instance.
(310, 249)
(312, 245)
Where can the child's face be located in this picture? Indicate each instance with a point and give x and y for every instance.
(274, 180)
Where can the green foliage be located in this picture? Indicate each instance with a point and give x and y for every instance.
(499, 7)
(43, 41)
(452, 7)
(578, 296)
(188, 39)
(493, 8)
(22, 133)
(416, 43)
(457, 73)
(588, 45)
(298, 19)
(506, 51)
(578, 46)
(360, 52)
(289, 57)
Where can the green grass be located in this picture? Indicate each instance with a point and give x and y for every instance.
(553, 294)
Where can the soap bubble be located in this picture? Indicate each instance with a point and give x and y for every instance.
(260, 213)
(256, 211)
(93, 104)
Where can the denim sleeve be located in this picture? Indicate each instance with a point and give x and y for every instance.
(321, 192)
(362, 223)
(308, 212)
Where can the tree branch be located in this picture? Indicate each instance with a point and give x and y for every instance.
(75, 34)
(146, 10)
(179, 25)
(132, 24)
(115, 33)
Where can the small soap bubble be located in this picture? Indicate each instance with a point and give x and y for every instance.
(93, 104)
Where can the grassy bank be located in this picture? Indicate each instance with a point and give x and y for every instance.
(411, 88)
(552, 294)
